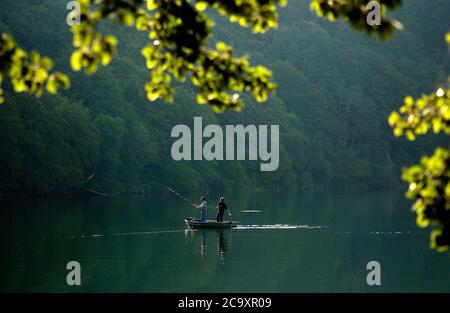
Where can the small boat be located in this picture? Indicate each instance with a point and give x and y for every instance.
(195, 223)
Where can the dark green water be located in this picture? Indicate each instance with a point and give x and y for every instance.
(297, 243)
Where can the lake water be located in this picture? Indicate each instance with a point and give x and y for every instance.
(286, 243)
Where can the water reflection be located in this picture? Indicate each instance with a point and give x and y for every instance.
(222, 244)
(298, 243)
(200, 239)
(203, 243)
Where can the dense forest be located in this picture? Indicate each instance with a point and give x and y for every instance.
(335, 91)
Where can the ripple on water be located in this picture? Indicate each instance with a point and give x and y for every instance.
(279, 226)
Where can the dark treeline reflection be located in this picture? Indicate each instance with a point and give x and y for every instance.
(297, 242)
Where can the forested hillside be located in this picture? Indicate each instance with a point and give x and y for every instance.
(335, 91)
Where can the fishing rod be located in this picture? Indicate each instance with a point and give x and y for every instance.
(173, 191)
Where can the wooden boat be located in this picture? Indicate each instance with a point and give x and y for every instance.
(195, 223)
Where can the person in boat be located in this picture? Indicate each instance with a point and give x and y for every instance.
(221, 207)
(203, 207)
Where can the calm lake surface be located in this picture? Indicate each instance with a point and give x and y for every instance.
(296, 243)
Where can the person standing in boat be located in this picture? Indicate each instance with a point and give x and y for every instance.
(221, 207)
(203, 207)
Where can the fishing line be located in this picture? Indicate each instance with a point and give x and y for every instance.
(131, 189)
